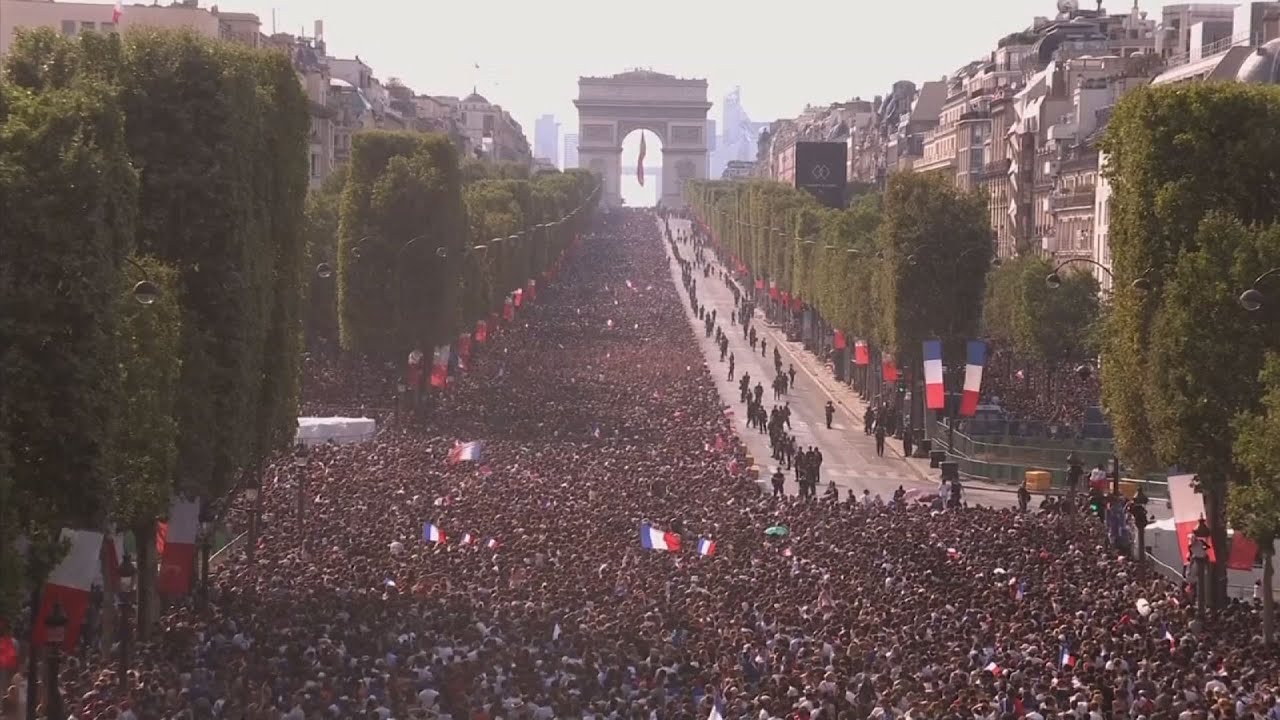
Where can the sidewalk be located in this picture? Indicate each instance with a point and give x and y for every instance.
(847, 401)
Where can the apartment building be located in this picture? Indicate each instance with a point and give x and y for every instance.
(73, 18)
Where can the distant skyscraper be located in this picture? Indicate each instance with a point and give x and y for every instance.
(546, 138)
(738, 134)
(570, 151)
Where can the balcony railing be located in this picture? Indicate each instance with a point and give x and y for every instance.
(1080, 197)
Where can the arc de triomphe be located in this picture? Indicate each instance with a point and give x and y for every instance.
(674, 109)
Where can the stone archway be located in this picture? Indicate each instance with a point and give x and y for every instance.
(674, 109)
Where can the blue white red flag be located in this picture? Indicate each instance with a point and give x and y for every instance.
(706, 546)
(651, 538)
(976, 353)
(934, 391)
(466, 452)
(432, 533)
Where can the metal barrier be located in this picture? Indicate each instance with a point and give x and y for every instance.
(1010, 463)
(224, 552)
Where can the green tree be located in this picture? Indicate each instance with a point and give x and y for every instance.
(1255, 505)
(401, 240)
(1205, 356)
(144, 443)
(1175, 154)
(936, 246)
(68, 195)
(320, 226)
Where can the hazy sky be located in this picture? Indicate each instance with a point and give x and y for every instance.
(783, 55)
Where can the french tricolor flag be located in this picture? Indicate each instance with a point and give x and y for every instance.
(935, 396)
(466, 452)
(468, 539)
(492, 543)
(706, 546)
(1065, 658)
(70, 583)
(432, 533)
(651, 538)
(976, 353)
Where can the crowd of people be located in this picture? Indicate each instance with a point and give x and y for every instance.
(1051, 402)
(519, 585)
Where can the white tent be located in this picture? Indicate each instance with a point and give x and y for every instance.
(342, 430)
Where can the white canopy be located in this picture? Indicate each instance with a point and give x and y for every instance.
(342, 430)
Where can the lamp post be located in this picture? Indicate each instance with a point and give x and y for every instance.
(124, 602)
(1142, 283)
(251, 494)
(145, 292)
(441, 252)
(206, 537)
(55, 629)
(300, 464)
(1254, 299)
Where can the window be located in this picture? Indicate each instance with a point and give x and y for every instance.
(315, 165)
(88, 26)
(68, 27)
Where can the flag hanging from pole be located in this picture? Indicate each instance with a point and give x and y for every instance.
(117, 12)
(640, 162)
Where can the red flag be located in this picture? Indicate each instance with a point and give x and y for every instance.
(482, 331)
(838, 340)
(640, 162)
(177, 563)
(890, 371)
(1243, 552)
(861, 356)
(519, 296)
(69, 585)
(508, 310)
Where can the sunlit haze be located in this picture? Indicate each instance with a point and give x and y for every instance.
(530, 55)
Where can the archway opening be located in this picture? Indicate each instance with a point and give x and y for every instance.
(634, 192)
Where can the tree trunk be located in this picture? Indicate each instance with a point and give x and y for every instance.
(1268, 599)
(107, 614)
(144, 537)
(1214, 492)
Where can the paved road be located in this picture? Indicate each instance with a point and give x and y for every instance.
(849, 456)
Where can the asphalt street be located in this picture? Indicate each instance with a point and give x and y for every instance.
(849, 456)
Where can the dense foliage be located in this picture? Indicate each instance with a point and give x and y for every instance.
(159, 155)
(427, 247)
(1193, 172)
(1049, 325)
(894, 269)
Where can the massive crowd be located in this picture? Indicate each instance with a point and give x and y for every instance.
(597, 414)
(1046, 401)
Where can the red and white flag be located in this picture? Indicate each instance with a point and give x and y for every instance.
(117, 12)
(640, 162)
(1188, 508)
(69, 583)
(177, 561)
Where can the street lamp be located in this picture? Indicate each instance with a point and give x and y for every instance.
(127, 574)
(324, 271)
(1142, 283)
(206, 537)
(1253, 299)
(441, 252)
(300, 463)
(145, 292)
(251, 494)
(55, 633)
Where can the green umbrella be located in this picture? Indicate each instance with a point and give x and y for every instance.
(777, 531)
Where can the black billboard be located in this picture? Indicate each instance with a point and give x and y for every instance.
(821, 169)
